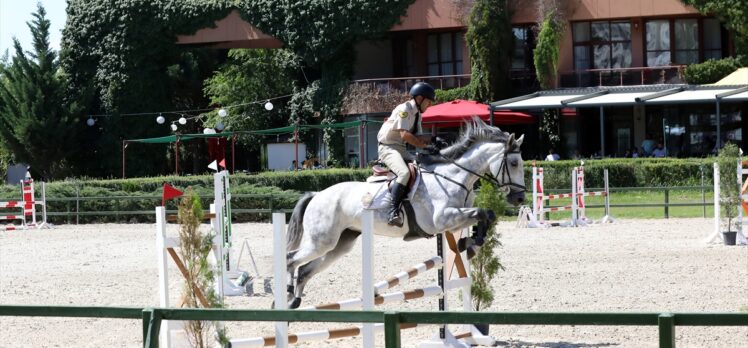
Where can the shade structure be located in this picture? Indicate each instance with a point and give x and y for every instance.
(454, 113)
(736, 78)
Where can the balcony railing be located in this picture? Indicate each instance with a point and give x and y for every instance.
(672, 74)
(402, 84)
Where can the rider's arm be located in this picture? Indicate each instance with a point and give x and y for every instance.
(412, 139)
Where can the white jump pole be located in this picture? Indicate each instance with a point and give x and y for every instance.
(367, 261)
(574, 197)
(715, 234)
(279, 270)
(163, 276)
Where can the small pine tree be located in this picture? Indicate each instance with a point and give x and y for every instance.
(195, 248)
(485, 265)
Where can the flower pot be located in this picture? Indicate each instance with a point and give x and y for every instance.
(729, 237)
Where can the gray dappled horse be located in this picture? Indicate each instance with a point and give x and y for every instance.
(324, 226)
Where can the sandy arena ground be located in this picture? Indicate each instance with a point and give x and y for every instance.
(629, 266)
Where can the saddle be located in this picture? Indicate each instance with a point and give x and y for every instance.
(381, 173)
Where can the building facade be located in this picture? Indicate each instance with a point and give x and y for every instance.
(606, 43)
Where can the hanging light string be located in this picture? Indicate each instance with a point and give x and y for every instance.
(186, 115)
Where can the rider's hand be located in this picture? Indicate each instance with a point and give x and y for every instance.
(439, 142)
(432, 148)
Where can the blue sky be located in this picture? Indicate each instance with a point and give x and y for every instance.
(15, 13)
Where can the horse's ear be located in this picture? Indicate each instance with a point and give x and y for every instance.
(518, 142)
(511, 142)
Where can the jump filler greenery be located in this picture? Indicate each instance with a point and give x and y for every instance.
(486, 265)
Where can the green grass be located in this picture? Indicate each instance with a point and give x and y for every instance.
(642, 197)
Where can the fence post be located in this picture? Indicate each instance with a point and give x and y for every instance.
(666, 323)
(391, 330)
(667, 203)
(703, 192)
(77, 203)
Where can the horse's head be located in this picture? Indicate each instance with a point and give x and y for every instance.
(497, 154)
(508, 169)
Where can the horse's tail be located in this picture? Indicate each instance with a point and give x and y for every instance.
(295, 225)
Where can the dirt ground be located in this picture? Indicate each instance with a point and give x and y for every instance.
(628, 266)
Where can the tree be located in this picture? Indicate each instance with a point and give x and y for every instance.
(732, 13)
(254, 75)
(37, 122)
(546, 56)
(489, 41)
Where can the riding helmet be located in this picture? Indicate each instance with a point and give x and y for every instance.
(423, 89)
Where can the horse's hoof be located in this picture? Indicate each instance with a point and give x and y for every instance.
(295, 303)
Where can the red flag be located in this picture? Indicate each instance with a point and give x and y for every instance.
(169, 193)
(222, 163)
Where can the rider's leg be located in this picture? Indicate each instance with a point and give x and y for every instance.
(394, 160)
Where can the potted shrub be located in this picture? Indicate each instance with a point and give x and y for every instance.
(485, 265)
(729, 193)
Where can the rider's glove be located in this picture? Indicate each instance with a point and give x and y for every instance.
(439, 143)
(432, 148)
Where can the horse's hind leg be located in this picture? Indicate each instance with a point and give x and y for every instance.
(308, 252)
(306, 272)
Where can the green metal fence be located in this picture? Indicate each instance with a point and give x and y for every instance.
(152, 318)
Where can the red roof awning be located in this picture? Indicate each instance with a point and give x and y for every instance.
(454, 113)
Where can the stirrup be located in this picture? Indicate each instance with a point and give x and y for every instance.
(396, 220)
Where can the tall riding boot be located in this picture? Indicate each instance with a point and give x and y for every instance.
(397, 191)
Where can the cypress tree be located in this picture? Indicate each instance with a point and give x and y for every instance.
(37, 125)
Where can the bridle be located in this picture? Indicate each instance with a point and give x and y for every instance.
(494, 180)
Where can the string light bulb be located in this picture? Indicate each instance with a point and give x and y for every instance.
(268, 106)
(220, 126)
(90, 121)
(209, 131)
(160, 119)
(174, 127)
(222, 113)
(182, 120)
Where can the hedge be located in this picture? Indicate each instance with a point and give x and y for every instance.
(713, 70)
(285, 186)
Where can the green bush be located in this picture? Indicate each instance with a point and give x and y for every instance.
(712, 70)
(284, 187)
(448, 95)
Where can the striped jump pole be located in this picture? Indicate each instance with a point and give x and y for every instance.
(402, 277)
(308, 336)
(429, 291)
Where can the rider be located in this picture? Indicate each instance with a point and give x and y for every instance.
(401, 128)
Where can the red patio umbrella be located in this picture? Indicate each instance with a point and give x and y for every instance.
(454, 113)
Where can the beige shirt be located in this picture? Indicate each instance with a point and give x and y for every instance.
(404, 117)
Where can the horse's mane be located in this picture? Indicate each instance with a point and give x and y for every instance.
(475, 131)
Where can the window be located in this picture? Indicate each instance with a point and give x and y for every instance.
(445, 53)
(686, 41)
(602, 45)
(693, 40)
(658, 43)
(524, 42)
(712, 39)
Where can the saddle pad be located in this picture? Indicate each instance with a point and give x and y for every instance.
(378, 196)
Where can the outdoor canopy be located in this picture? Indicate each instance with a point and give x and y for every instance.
(454, 113)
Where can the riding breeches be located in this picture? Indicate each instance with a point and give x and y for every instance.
(394, 157)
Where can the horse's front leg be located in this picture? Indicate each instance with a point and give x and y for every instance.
(454, 219)
(458, 218)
